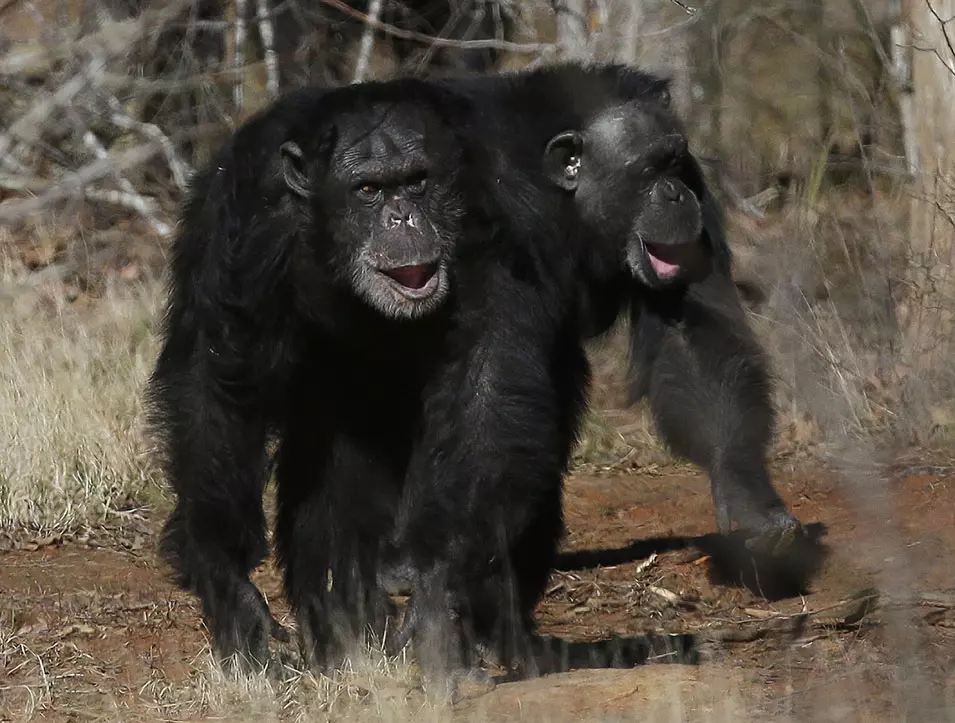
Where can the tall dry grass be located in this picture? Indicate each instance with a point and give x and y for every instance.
(72, 450)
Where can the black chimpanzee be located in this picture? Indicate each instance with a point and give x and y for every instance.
(693, 353)
(651, 242)
(345, 281)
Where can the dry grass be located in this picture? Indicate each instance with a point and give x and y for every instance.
(71, 449)
(369, 686)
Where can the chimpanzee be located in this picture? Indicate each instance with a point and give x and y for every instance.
(348, 275)
(650, 241)
(693, 353)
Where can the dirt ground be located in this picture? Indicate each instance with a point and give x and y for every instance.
(92, 628)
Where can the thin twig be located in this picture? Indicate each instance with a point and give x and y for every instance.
(133, 201)
(367, 41)
(686, 8)
(943, 26)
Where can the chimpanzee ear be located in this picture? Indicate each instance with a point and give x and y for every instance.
(294, 169)
(562, 158)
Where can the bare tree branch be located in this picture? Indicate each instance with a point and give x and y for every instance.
(179, 168)
(146, 208)
(26, 129)
(572, 32)
(943, 25)
(367, 41)
(522, 48)
(74, 183)
(239, 58)
(133, 201)
(267, 33)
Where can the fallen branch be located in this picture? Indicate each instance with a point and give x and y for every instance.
(855, 611)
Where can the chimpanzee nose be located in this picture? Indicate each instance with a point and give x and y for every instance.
(669, 191)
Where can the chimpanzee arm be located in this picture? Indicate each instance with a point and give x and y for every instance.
(216, 462)
(216, 382)
(697, 361)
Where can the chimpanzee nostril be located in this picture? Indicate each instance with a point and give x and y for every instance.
(669, 191)
(394, 218)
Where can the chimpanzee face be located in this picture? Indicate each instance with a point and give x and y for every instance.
(386, 186)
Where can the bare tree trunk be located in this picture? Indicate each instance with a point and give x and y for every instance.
(931, 308)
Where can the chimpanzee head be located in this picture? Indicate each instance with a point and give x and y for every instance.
(637, 188)
(379, 182)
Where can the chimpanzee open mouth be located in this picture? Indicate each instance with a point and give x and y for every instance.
(416, 281)
(669, 261)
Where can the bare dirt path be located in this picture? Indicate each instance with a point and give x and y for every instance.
(97, 632)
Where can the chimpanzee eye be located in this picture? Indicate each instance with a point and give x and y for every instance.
(418, 182)
(369, 190)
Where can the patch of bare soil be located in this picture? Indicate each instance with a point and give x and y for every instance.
(93, 632)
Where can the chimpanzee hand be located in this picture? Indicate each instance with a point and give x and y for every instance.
(435, 620)
(241, 624)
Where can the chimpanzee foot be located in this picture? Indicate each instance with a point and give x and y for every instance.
(776, 536)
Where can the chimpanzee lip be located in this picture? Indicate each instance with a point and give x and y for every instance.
(667, 261)
(414, 281)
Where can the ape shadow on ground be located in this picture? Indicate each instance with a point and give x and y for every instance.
(774, 576)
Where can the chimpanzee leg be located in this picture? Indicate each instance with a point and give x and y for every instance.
(698, 362)
(335, 508)
(481, 514)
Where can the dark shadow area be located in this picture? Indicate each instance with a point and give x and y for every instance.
(556, 655)
(773, 575)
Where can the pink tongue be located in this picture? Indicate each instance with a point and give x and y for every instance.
(663, 269)
(412, 277)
